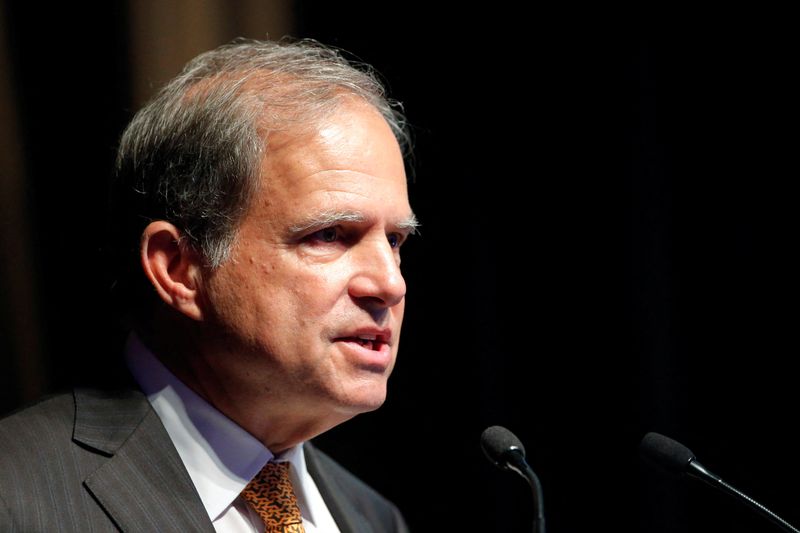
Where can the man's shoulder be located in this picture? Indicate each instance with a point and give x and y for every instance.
(56, 420)
(35, 442)
(52, 414)
(93, 460)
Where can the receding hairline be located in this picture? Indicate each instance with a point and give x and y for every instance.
(277, 106)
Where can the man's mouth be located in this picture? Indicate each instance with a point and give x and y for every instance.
(367, 348)
(368, 341)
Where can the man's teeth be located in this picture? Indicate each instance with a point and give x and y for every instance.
(366, 340)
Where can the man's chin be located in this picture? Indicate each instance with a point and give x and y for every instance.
(364, 401)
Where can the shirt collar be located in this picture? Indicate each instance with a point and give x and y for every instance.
(219, 455)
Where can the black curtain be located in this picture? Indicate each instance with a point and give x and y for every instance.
(606, 249)
(70, 67)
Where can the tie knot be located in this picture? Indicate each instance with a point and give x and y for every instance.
(271, 495)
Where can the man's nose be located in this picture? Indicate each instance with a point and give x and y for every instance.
(377, 280)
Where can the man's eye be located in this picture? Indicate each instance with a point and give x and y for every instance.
(394, 240)
(326, 235)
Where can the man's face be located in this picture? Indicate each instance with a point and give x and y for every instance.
(309, 306)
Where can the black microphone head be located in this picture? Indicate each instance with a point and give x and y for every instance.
(496, 442)
(670, 455)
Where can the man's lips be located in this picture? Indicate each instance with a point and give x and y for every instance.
(366, 343)
(370, 350)
(372, 340)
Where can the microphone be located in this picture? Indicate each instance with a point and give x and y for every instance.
(675, 458)
(506, 452)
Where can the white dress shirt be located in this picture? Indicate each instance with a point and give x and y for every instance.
(219, 455)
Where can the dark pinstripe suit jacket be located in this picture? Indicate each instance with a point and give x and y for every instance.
(98, 461)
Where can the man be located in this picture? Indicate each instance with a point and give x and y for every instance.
(264, 194)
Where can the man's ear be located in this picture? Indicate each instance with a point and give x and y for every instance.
(173, 268)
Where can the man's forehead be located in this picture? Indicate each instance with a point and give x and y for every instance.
(352, 127)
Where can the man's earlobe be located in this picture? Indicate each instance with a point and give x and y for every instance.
(173, 268)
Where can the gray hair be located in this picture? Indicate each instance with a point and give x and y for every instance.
(192, 155)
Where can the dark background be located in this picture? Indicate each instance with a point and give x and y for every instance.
(607, 249)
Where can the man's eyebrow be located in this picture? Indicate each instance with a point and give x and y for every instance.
(411, 224)
(332, 217)
(325, 219)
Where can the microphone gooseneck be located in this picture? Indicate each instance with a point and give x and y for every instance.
(506, 452)
(676, 459)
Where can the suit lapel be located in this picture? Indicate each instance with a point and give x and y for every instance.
(347, 516)
(143, 486)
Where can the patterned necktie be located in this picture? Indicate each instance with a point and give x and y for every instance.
(270, 493)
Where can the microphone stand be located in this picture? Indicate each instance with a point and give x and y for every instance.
(517, 463)
(697, 471)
